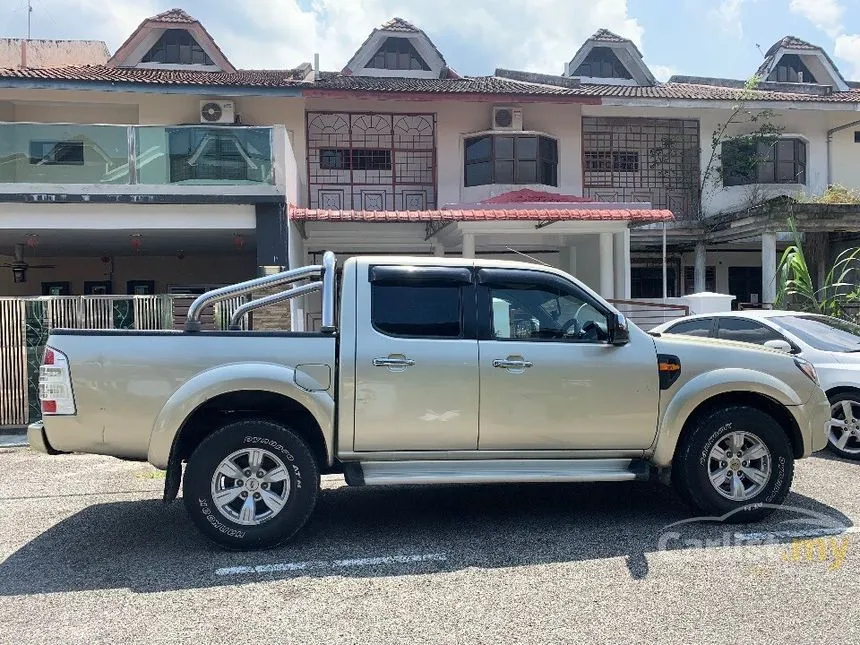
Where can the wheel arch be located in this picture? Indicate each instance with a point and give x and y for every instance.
(712, 389)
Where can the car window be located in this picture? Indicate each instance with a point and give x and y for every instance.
(544, 312)
(822, 332)
(417, 310)
(747, 331)
(697, 327)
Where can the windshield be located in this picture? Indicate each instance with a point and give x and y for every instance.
(822, 332)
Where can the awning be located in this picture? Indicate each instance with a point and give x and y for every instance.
(482, 214)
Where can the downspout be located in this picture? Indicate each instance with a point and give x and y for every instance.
(830, 134)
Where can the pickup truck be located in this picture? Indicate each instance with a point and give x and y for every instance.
(428, 371)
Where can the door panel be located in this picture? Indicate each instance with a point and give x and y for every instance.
(416, 362)
(548, 383)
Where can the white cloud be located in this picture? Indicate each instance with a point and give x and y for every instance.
(824, 14)
(848, 49)
(285, 33)
(663, 72)
(729, 14)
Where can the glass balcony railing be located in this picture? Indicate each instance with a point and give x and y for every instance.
(37, 153)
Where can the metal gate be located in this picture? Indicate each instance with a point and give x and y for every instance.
(26, 322)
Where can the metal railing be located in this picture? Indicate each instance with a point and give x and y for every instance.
(647, 314)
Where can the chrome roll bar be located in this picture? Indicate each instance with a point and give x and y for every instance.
(271, 300)
(326, 271)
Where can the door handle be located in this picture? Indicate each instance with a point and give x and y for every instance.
(509, 364)
(393, 362)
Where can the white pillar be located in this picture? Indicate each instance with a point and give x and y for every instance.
(296, 257)
(768, 268)
(607, 281)
(438, 249)
(699, 268)
(621, 242)
(567, 259)
(468, 245)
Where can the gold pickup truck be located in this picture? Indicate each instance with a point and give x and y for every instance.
(428, 371)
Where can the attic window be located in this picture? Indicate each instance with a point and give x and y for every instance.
(791, 69)
(398, 54)
(178, 47)
(602, 62)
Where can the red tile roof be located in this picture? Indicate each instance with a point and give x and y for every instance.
(399, 24)
(173, 15)
(529, 196)
(478, 215)
(102, 73)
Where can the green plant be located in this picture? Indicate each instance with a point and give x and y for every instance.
(796, 288)
(835, 194)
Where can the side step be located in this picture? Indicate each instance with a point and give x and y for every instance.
(495, 471)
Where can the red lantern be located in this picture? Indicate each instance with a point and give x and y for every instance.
(238, 241)
(32, 240)
(136, 242)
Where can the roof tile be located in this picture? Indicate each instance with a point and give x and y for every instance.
(173, 15)
(476, 215)
(399, 24)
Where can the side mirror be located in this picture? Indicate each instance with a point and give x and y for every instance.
(781, 345)
(619, 332)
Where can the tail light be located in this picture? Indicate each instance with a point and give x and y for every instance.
(55, 384)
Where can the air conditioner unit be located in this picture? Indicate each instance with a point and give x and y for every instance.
(507, 118)
(217, 112)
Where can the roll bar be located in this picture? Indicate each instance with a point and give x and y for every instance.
(325, 271)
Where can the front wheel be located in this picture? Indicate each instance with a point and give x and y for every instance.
(735, 462)
(844, 431)
(252, 484)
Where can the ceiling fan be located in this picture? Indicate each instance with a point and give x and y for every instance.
(19, 266)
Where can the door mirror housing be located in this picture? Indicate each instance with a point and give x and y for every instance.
(781, 345)
(619, 331)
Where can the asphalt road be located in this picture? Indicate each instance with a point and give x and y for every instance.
(89, 554)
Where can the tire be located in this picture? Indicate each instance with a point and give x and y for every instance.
(255, 512)
(765, 480)
(840, 404)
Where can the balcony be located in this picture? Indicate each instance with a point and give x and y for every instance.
(113, 159)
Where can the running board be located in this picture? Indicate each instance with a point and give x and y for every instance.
(496, 471)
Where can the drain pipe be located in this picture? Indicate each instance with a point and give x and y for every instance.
(830, 134)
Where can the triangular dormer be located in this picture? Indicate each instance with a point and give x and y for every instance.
(609, 59)
(792, 60)
(171, 40)
(397, 49)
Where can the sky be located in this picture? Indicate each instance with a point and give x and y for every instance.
(720, 38)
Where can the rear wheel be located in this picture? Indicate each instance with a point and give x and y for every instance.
(844, 431)
(251, 485)
(737, 461)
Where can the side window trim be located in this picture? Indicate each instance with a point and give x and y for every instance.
(511, 278)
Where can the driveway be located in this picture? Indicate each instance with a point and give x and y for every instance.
(89, 554)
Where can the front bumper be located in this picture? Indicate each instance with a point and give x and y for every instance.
(813, 419)
(38, 440)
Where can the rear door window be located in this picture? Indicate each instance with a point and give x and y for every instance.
(697, 327)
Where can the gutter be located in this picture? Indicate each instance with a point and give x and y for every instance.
(830, 134)
(148, 88)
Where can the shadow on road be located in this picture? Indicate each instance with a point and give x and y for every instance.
(147, 547)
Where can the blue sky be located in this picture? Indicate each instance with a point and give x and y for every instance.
(695, 37)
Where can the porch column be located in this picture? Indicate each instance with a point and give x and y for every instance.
(607, 280)
(298, 257)
(438, 249)
(768, 268)
(622, 264)
(699, 268)
(468, 245)
(567, 259)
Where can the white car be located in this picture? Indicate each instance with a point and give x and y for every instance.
(830, 344)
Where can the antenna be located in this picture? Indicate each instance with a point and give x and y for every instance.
(760, 50)
(29, 15)
(546, 264)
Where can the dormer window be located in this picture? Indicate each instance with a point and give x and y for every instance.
(790, 69)
(602, 62)
(178, 47)
(397, 53)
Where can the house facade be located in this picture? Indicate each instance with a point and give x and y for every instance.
(166, 170)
